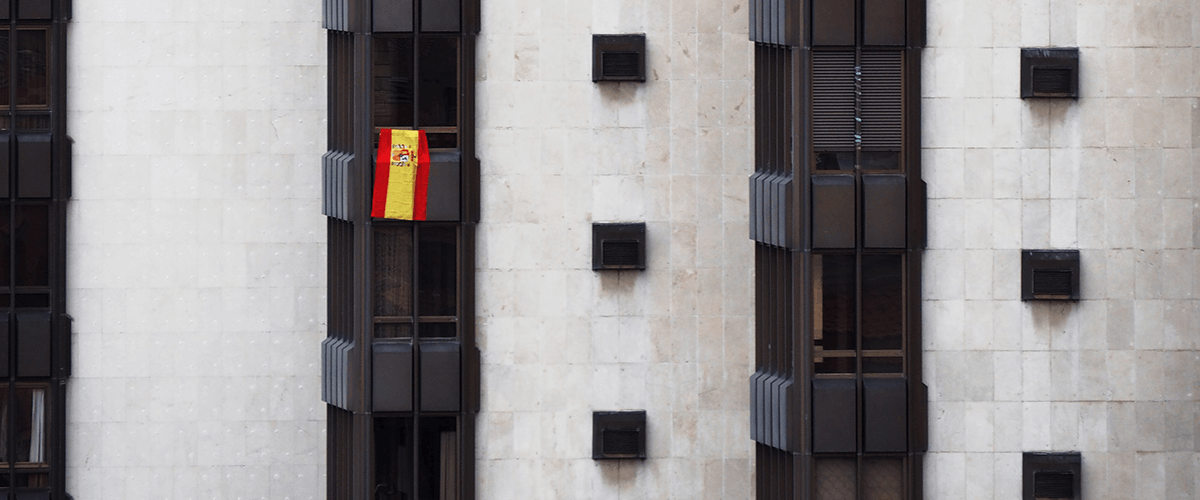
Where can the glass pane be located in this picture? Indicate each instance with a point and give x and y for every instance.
(33, 300)
(438, 330)
(393, 330)
(883, 479)
(438, 449)
(883, 365)
(835, 161)
(5, 247)
(828, 364)
(30, 423)
(880, 160)
(393, 459)
(35, 480)
(835, 479)
(442, 140)
(833, 302)
(393, 86)
(883, 302)
(393, 270)
(33, 70)
(4, 76)
(32, 245)
(438, 92)
(33, 122)
(438, 273)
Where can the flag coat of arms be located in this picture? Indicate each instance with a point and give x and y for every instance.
(401, 175)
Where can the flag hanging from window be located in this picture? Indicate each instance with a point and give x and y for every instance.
(401, 175)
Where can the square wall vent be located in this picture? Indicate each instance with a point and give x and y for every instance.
(1051, 475)
(1050, 73)
(1049, 274)
(618, 246)
(618, 435)
(619, 58)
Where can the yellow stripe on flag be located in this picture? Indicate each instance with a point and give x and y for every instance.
(402, 176)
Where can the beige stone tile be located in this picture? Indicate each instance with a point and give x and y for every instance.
(1035, 376)
(979, 425)
(1035, 223)
(1009, 421)
(1037, 428)
(978, 281)
(1148, 274)
(1007, 318)
(1093, 428)
(1148, 324)
(1121, 375)
(1093, 324)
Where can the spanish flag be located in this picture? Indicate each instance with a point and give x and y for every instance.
(401, 175)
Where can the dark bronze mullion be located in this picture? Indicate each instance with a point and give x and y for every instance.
(414, 449)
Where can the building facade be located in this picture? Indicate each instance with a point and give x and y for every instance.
(231, 300)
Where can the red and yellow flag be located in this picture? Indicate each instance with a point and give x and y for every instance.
(401, 175)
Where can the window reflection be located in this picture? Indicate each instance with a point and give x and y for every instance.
(33, 70)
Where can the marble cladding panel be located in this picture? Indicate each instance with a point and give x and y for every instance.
(196, 256)
(560, 340)
(1113, 174)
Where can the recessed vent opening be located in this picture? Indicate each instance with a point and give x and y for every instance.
(1053, 484)
(1051, 80)
(620, 64)
(1052, 283)
(619, 253)
(618, 442)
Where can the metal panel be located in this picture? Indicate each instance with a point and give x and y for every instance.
(33, 495)
(833, 211)
(4, 164)
(445, 188)
(885, 415)
(4, 4)
(884, 211)
(4, 341)
(441, 15)
(33, 9)
(883, 22)
(33, 165)
(440, 376)
(392, 376)
(835, 416)
(392, 15)
(33, 344)
(833, 22)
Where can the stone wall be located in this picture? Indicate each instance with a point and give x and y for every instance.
(1113, 174)
(560, 340)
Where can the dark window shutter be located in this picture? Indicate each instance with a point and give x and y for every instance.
(33, 344)
(833, 100)
(33, 165)
(33, 9)
(882, 99)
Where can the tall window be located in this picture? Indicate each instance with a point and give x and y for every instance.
(33, 193)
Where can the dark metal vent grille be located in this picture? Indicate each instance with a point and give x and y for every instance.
(833, 100)
(620, 64)
(1053, 484)
(1052, 282)
(619, 252)
(620, 442)
(882, 99)
(1050, 80)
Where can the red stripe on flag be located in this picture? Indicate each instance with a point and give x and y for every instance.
(421, 198)
(382, 171)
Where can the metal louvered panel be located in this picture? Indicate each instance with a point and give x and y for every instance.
(882, 100)
(833, 100)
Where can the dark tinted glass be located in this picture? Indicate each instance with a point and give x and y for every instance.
(437, 274)
(438, 452)
(833, 302)
(34, 480)
(393, 270)
(33, 70)
(438, 92)
(393, 330)
(393, 81)
(835, 365)
(882, 302)
(4, 75)
(440, 140)
(33, 300)
(880, 160)
(32, 245)
(33, 122)
(393, 459)
(883, 365)
(5, 247)
(835, 161)
(438, 330)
